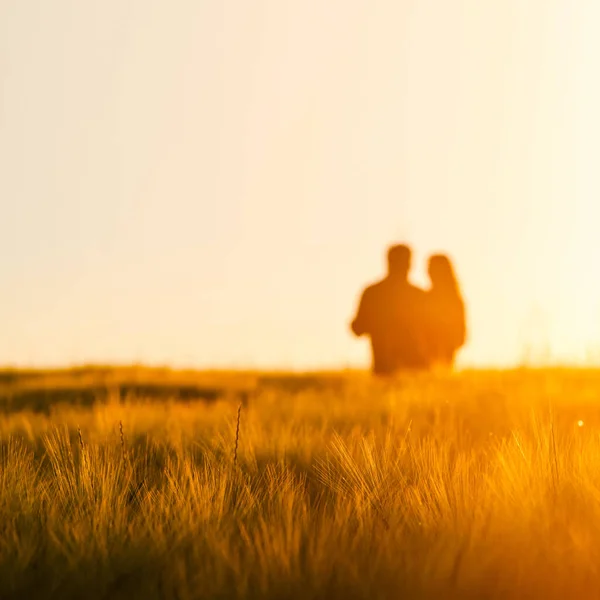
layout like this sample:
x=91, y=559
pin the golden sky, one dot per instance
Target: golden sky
x=213, y=183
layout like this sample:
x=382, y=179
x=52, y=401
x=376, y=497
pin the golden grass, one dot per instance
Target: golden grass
x=477, y=485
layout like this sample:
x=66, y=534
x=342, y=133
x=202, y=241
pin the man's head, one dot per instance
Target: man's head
x=399, y=261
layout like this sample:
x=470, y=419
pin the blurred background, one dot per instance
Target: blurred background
x=213, y=183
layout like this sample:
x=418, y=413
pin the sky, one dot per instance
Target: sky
x=212, y=184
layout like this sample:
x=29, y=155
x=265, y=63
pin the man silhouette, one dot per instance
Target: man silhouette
x=390, y=312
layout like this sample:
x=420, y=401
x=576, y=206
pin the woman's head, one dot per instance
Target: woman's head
x=441, y=272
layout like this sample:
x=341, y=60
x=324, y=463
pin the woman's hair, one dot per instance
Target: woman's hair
x=441, y=273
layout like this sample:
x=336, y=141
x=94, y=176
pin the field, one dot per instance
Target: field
x=466, y=485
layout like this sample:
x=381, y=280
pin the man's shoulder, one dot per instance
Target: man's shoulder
x=417, y=296
x=416, y=290
x=375, y=288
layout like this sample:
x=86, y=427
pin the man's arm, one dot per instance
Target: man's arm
x=361, y=324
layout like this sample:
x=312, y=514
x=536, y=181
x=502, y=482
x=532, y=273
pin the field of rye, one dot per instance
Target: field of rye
x=468, y=485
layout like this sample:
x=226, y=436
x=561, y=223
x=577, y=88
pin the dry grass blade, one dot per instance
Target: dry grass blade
x=237, y=434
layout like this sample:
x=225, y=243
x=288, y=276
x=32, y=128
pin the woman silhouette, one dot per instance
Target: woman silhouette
x=445, y=313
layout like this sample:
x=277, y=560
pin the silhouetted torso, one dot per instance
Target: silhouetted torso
x=446, y=325
x=391, y=313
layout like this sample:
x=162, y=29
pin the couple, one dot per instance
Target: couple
x=411, y=328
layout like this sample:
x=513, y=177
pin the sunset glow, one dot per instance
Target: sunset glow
x=212, y=184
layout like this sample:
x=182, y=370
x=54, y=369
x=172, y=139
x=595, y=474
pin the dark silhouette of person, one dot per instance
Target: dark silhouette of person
x=445, y=313
x=391, y=313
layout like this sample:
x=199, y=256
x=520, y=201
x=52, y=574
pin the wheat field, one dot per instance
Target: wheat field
x=466, y=485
